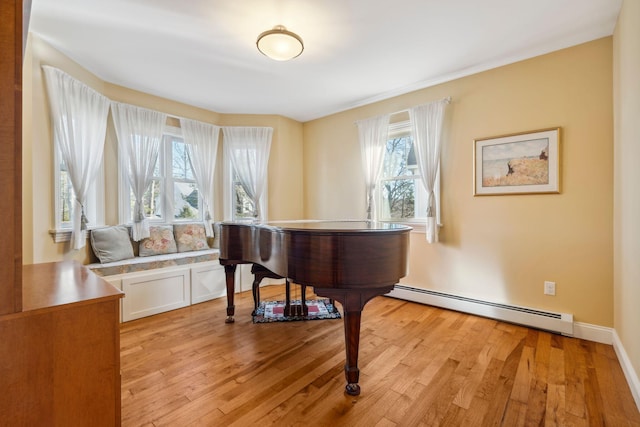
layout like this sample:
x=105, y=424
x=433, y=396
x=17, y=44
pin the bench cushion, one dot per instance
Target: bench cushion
x=153, y=262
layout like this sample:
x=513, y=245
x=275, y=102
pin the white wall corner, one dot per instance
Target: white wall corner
x=629, y=372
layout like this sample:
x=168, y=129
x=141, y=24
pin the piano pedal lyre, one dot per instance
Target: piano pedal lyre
x=295, y=309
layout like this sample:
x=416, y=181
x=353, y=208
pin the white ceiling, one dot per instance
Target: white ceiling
x=203, y=53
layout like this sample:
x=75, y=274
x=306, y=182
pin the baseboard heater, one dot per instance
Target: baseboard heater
x=561, y=323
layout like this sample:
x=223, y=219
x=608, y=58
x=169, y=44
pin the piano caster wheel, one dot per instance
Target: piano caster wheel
x=229, y=319
x=352, y=389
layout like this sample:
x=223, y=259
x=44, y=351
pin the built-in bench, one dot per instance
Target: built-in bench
x=153, y=281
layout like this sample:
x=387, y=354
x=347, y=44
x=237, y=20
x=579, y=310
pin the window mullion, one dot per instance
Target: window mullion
x=166, y=179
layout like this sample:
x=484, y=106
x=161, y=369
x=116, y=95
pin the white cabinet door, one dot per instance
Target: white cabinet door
x=152, y=293
x=207, y=282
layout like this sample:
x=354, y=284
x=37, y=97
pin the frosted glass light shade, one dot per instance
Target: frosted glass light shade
x=280, y=44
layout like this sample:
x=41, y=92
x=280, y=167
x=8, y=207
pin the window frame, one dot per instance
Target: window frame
x=398, y=129
x=167, y=184
x=229, y=193
x=94, y=206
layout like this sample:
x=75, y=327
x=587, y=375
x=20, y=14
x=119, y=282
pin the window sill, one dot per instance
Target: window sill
x=417, y=226
x=61, y=235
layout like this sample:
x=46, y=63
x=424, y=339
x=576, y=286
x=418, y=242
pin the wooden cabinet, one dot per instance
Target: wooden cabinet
x=60, y=355
x=11, y=154
x=59, y=329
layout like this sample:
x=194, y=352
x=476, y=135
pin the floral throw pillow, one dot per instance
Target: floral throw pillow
x=160, y=241
x=190, y=237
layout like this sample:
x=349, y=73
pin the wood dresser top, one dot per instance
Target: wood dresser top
x=53, y=285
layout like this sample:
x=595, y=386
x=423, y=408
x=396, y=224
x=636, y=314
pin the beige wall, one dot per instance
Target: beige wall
x=501, y=248
x=627, y=181
x=285, y=161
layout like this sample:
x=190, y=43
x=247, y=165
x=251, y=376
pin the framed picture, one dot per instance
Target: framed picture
x=521, y=163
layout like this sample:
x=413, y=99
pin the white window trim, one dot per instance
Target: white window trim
x=228, y=193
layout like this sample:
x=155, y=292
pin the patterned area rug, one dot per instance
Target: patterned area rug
x=273, y=311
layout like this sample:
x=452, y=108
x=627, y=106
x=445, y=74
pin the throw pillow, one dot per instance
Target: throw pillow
x=111, y=243
x=160, y=241
x=190, y=237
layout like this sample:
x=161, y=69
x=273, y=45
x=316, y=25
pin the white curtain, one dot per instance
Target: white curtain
x=248, y=149
x=201, y=140
x=79, y=120
x=426, y=124
x=373, y=134
x=139, y=134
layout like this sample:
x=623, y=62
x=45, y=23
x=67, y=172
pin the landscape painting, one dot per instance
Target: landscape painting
x=524, y=163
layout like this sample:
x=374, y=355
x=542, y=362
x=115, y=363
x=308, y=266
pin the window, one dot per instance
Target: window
x=173, y=195
x=401, y=195
x=246, y=158
x=186, y=198
x=78, y=121
x=243, y=206
x=65, y=197
x=239, y=206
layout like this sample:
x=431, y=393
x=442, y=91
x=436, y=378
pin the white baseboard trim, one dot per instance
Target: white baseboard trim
x=555, y=322
x=629, y=372
x=589, y=332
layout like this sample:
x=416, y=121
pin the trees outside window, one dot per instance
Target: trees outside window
x=243, y=205
x=401, y=195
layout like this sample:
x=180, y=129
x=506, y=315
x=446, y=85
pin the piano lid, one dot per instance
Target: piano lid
x=336, y=226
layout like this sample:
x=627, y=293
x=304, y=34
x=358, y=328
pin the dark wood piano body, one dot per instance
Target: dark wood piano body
x=348, y=261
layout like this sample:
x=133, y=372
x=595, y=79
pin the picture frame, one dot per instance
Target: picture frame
x=519, y=163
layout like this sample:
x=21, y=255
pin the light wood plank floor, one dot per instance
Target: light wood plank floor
x=419, y=366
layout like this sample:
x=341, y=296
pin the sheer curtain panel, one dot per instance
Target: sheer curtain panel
x=426, y=124
x=201, y=140
x=373, y=134
x=248, y=149
x=79, y=120
x=139, y=133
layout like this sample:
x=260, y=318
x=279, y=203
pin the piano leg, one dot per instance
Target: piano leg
x=353, y=301
x=303, y=300
x=255, y=288
x=287, y=298
x=352, y=321
x=229, y=272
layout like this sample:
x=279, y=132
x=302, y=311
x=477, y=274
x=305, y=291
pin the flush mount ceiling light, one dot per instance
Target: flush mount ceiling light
x=280, y=44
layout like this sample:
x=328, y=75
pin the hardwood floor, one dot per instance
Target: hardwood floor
x=419, y=366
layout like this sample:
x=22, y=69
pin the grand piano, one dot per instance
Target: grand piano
x=348, y=261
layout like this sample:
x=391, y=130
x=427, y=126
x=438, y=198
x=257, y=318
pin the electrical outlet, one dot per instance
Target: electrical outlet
x=549, y=288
